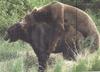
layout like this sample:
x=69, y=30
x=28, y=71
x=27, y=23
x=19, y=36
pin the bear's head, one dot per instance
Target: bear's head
x=14, y=33
x=20, y=29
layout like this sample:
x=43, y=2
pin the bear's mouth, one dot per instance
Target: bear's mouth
x=8, y=39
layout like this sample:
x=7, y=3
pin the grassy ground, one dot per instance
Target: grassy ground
x=19, y=57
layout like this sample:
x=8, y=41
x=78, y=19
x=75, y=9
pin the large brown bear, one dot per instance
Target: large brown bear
x=55, y=27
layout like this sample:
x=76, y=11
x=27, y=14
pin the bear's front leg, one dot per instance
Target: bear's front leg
x=42, y=56
x=42, y=59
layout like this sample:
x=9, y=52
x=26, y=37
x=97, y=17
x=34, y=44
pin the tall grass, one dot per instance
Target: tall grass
x=24, y=60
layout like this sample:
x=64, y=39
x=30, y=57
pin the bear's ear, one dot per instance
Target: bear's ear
x=34, y=10
x=31, y=11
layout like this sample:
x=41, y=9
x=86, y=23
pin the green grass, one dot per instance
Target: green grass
x=19, y=57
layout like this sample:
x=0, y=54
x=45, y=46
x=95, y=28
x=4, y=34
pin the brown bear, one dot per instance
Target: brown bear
x=55, y=27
